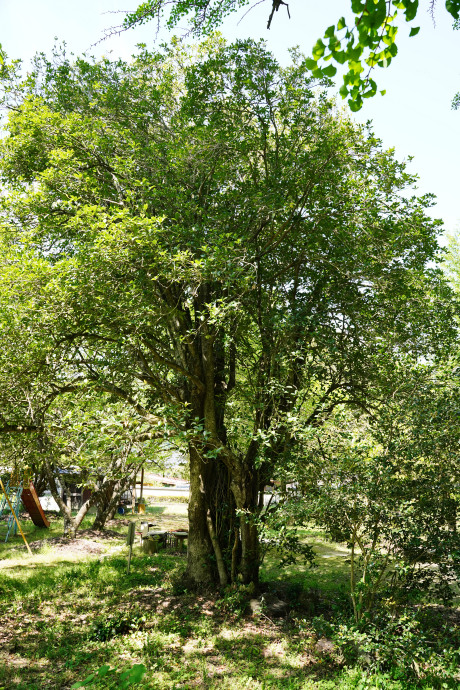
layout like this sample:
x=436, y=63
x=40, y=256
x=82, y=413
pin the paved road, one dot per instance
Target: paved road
x=163, y=491
x=48, y=502
x=173, y=491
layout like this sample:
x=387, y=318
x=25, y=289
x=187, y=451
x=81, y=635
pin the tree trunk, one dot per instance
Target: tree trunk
x=102, y=515
x=200, y=551
x=40, y=482
x=217, y=551
x=107, y=500
x=214, y=551
x=250, y=560
x=103, y=505
x=71, y=523
x=245, y=489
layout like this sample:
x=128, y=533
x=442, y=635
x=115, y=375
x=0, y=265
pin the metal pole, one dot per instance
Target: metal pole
x=16, y=519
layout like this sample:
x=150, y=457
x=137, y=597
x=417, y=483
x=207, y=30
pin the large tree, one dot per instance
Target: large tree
x=217, y=247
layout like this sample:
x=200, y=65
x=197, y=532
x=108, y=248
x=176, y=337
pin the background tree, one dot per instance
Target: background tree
x=51, y=422
x=97, y=444
x=388, y=486
x=223, y=252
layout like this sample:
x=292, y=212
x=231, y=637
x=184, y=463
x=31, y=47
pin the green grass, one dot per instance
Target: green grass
x=15, y=544
x=64, y=615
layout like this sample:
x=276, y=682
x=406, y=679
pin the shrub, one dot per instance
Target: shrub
x=122, y=623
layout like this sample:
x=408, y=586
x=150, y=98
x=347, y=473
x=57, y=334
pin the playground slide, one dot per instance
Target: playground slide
x=33, y=506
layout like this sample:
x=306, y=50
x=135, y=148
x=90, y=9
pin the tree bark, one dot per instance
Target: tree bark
x=71, y=523
x=217, y=551
x=245, y=490
x=200, y=551
x=103, y=506
x=107, y=499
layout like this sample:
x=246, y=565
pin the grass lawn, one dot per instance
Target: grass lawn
x=72, y=609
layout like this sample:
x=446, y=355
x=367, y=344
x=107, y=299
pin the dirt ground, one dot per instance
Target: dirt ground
x=87, y=541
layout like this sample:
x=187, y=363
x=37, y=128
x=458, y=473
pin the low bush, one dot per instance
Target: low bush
x=122, y=623
x=167, y=499
x=415, y=648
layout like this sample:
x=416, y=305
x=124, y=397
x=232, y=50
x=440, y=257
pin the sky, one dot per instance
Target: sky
x=414, y=116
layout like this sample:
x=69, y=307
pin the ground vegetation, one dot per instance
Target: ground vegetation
x=71, y=613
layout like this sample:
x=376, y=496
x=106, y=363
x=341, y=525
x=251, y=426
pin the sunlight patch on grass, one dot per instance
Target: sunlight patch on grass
x=65, y=616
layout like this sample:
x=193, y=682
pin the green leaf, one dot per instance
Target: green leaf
x=87, y=681
x=132, y=675
x=358, y=6
x=330, y=71
x=340, y=57
x=341, y=24
x=318, y=49
x=103, y=671
x=414, y=31
x=138, y=672
x=411, y=9
x=355, y=104
x=453, y=7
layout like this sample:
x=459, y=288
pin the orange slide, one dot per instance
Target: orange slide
x=33, y=506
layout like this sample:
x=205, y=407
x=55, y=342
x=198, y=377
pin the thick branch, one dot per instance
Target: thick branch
x=20, y=428
x=173, y=365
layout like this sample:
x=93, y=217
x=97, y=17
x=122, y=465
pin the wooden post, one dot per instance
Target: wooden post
x=133, y=499
x=142, y=483
x=130, y=542
x=16, y=519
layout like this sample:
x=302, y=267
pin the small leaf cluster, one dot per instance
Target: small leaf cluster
x=123, y=623
x=113, y=678
x=371, y=41
x=416, y=646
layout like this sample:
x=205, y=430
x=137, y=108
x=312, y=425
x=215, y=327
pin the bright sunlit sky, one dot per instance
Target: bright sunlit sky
x=414, y=116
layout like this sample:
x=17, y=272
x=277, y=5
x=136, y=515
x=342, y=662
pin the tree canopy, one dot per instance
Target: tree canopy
x=363, y=39
x=198, y=235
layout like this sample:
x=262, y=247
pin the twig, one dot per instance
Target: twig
x=275, y=7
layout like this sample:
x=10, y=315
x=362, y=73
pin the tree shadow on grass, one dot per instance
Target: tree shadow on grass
x=187, y=642
x=43, y=581
x=12, y=676
x=271, y=663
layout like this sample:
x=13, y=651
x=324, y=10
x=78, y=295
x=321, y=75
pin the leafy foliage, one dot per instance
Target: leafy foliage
x=402, y=648
x=106, y=674
x=198, y=236
x=122, y=623
x=390, y=493
x=369, y=40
